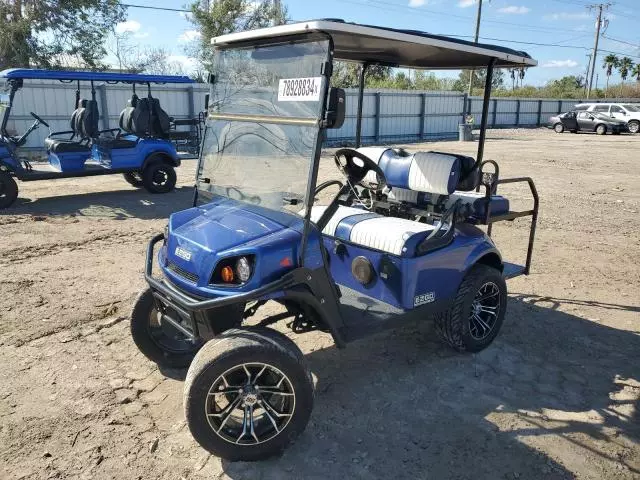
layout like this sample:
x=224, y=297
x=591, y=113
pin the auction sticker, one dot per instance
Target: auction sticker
x=299, y=89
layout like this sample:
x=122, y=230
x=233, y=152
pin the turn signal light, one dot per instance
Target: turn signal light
x=226, y=274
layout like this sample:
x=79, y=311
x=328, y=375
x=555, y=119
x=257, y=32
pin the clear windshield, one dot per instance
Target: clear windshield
x=632, y=108
x=263, y=124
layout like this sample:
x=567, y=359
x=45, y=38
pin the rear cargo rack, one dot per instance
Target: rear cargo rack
x=491, y=187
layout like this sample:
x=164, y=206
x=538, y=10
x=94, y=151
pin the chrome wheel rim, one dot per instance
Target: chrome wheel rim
x=250, y=403
x=160, y=177
x=634, y=127
x=485, y=310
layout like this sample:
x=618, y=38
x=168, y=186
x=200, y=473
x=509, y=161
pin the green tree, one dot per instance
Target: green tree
x=635, y=72
x=611, y=61
x=478, y=80
x=626, y=64
x=219, y=17
x=566, y=87
x=347, y=75
x=56, y=33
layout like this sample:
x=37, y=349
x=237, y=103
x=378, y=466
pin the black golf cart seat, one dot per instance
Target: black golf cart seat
x=144, y=117
x=78, y=140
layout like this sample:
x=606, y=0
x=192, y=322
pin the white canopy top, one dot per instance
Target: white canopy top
x=402, y=48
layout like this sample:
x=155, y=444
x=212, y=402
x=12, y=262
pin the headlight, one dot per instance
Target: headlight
x=243, y=269
x=166, y=233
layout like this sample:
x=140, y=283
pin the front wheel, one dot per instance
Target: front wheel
x=558, y=127
x=248, y=394
x=133, y=179
x=634, y=126
x=159, y=341
x=8, y=189
x=159, y=178
x=477, y=313
x=601, y=129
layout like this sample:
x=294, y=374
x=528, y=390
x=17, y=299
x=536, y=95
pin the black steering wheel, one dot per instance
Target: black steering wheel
x=355, y=166
x=39, y=119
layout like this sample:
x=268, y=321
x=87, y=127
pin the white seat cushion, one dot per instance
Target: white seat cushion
x=393, y=235
x=388, y=234
x=341, y=214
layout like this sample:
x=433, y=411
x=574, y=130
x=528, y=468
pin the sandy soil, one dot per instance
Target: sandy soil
x=556, y=396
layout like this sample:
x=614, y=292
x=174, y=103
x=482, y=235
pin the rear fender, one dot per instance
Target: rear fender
x=160, y=157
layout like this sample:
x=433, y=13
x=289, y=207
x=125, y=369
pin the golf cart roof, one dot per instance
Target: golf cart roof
x=389, y=46
x=70, y=75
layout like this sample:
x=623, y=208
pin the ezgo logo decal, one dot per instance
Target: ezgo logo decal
x=183, y=253
x=428, y=297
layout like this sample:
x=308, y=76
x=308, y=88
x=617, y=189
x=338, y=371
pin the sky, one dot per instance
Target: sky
x=567, y=27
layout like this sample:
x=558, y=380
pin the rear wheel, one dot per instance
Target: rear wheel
x=159, y=341
x=634, y=126
x=477, y=313
x=558, y=127
x=248, y=394
x=159, y=178
x=8, y=189
x=133, y=178
x=601, y=129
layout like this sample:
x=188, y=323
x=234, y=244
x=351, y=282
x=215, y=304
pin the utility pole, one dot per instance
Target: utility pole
x=586, y=74
x=478, y=15
x=594, y=59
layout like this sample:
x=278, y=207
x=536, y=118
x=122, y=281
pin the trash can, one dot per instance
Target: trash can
x=464, y=132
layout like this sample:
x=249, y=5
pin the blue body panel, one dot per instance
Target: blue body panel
x=69, y=162
x=229, y=228
x=132, y=157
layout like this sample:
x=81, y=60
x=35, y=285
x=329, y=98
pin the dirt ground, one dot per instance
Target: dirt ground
x=556, y=396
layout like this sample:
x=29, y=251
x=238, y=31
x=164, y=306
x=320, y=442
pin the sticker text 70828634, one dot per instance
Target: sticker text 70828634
x=299, y=89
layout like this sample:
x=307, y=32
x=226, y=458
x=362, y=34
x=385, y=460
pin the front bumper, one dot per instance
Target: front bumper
x=193, y=312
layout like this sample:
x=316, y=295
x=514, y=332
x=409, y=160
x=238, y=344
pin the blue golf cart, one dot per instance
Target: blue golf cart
x=140, y=148
x=401, y=240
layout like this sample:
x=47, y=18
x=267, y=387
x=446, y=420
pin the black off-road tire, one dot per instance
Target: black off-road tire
x=558, y=128
x=236, y=347
x=159, y=177
x=8, y=189
x=145, y=341
x=453, y=325
x=601, y=129
x=634, y=126
x=134, y=179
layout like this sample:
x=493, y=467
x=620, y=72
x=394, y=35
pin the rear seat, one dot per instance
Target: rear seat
x=473, y=203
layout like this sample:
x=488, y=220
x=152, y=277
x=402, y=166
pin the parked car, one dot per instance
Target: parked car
x=626, y=112
x=586, y=121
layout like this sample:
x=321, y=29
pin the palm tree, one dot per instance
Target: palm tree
x=610, y=62
x=635, y=72
x=626, y=65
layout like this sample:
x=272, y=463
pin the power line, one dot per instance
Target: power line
x=148, y=7
x=620, y=41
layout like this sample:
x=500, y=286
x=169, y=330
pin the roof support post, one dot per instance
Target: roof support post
x=485, y=111
x=363, y=71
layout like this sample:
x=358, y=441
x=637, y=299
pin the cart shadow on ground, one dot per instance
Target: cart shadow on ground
x=401, y=405
x=113, y=204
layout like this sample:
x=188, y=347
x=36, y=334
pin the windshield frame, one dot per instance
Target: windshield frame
x=326, y=72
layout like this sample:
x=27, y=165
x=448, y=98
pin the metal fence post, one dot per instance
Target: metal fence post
x=104, y=106
x=559, y=106
x=495, y=111
x=376, y=116
x=465, y=111
x=191, y=104
x=517, y=112
x=423, y=110
x=539, y=113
